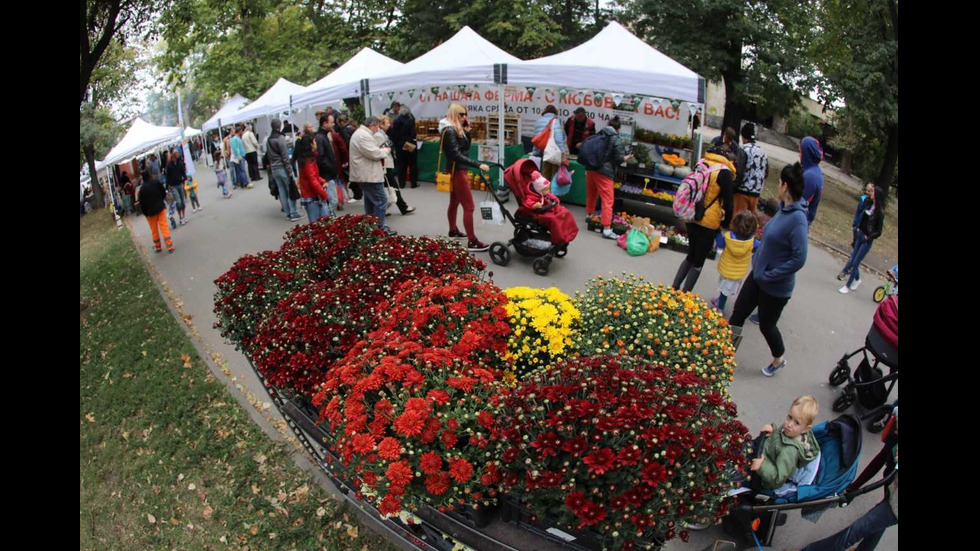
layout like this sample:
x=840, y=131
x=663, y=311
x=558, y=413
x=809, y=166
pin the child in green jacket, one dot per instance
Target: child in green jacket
x=791, y=448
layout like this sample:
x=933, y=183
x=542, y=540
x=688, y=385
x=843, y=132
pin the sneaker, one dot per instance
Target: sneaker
x=409, y=210
x=841, y=276
x=854, y=286
x=609, y=234
x=771, y=370
x=754, y=318
x=477, y=246
x=228, y=196
x=295, y=218
x=250, y=186
x=390, y=232
x=714, y=303
x=183, y=221
x=455, y=234
x=170, y=250
x=844, y=290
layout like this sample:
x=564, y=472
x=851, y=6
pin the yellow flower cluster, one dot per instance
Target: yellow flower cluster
x=544, y=323
x=632, y=317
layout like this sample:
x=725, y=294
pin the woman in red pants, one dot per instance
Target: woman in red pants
x=456, y=146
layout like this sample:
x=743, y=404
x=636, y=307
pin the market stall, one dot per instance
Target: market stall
x=345, y=81
x=223, y=115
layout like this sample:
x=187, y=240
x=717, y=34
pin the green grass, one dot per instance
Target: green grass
x=167, y=457
x=835, y=215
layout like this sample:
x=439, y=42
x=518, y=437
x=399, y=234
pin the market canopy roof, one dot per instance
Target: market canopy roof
x=274, y=100
x=345, y=81
x=190, y=132
x=141, y=137
x=466, y=58
x=230, y=106
x=614, y=60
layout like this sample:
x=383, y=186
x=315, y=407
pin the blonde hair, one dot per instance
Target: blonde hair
x=384, y=121
x=453, y=115
x=809, y=408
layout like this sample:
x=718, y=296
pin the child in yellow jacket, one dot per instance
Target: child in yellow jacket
x=190, y=186
x=736, y=259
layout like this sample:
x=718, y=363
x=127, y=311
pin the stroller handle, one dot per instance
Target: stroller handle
x=841, y=500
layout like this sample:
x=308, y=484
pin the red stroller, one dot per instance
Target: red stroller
x=532, y=238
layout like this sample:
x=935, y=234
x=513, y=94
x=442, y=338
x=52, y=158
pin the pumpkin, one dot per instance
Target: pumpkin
x=681, y=172
x=666, y=169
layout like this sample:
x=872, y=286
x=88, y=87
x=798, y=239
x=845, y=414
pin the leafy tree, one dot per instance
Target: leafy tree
x=757, y=47
x=100, y=23
x=856, y=53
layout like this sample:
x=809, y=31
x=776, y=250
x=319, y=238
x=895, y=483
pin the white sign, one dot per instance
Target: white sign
x=649, y=114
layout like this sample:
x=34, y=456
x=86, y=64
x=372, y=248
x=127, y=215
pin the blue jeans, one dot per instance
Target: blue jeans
x=180, y=199
x=867, y=529
x=240, y=174
x=315, y=209
x=282, y=182
x=375, y=202
x=853, y=267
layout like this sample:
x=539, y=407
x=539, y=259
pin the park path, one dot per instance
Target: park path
x=819, y=325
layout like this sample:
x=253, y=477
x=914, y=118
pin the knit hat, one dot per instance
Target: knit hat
x=748, y=131
x=539, y=182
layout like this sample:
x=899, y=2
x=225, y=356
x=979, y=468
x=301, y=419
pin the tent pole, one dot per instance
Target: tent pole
x=501, y=158
x=697, y=146
x=112, y=198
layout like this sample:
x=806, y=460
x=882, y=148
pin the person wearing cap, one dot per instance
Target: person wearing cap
x=752, y=174
x=578, y=127
x=559, y=221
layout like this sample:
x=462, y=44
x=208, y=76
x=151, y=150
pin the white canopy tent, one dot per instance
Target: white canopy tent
x=190, y=132
x=274, y=100
x=221, y=117
x=141, y=137
x=466, y=58
x=614, y=60
x=345, y=81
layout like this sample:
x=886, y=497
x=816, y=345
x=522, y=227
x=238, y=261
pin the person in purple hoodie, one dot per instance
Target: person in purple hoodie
x=775, y=262
x=810, y=156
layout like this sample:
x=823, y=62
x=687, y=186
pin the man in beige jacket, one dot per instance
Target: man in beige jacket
x=367, y=169
x=252, y=153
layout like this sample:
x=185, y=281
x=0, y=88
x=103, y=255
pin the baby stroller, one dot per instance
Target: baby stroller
x=531, y=239
x=869, y=385
x=758, y=514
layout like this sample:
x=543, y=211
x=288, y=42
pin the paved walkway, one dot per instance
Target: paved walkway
x=819, y=325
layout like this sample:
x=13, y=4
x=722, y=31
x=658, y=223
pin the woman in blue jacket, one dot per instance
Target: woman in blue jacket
x=781, y=254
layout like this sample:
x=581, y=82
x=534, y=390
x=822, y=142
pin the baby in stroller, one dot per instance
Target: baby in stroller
x=539, y=203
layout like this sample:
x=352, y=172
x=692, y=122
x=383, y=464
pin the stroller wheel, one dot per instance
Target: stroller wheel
x=840, y=373
x=877, y=424
x=844, y=401
x=879, y=294
x=541, y=266
x=562, y=252
x=500, y=254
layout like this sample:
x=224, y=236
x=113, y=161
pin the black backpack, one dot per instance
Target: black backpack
x=594, y=151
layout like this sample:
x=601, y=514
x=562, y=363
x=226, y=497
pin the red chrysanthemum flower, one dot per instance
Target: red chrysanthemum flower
x=575, y=501
x=654, y=474
x=419, y=406
x=363, y=443
x=485, y=419
x=400, y=473
x=390, y=505
x=437, y=484
x=410, y=423
x=460, y=469
x=629, y=456
x=601, y=461
x=430, y=463
x=449, y=439
x=440, y=397
x=389, y=449
x=452, y=424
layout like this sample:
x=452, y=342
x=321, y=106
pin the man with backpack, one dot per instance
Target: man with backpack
x=753, y=169
x=600, y=154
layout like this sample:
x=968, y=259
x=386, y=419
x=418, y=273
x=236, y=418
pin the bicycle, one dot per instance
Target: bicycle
x=888, y=289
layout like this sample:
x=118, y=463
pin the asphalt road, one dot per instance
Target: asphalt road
x=819, y=325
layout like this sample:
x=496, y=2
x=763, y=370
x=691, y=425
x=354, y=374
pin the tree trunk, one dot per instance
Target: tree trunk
x=96, y=188
x=891, y=158
x=733, y=108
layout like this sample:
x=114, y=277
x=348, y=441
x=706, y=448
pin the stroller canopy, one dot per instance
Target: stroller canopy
x=518, y=177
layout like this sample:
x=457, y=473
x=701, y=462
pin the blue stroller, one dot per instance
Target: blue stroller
x=756, y=518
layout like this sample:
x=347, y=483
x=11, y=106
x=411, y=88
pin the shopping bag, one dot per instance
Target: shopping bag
x=490, y=213
x=552, y=153
x=564, y=176
x=637, y=243
x=541, y=140
x=557, y=189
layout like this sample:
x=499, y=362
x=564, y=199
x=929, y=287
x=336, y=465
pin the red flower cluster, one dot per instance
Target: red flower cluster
x=328, y=245
x=401, y=404
x=306, y=333
x=253, y=285
x=632, y=448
